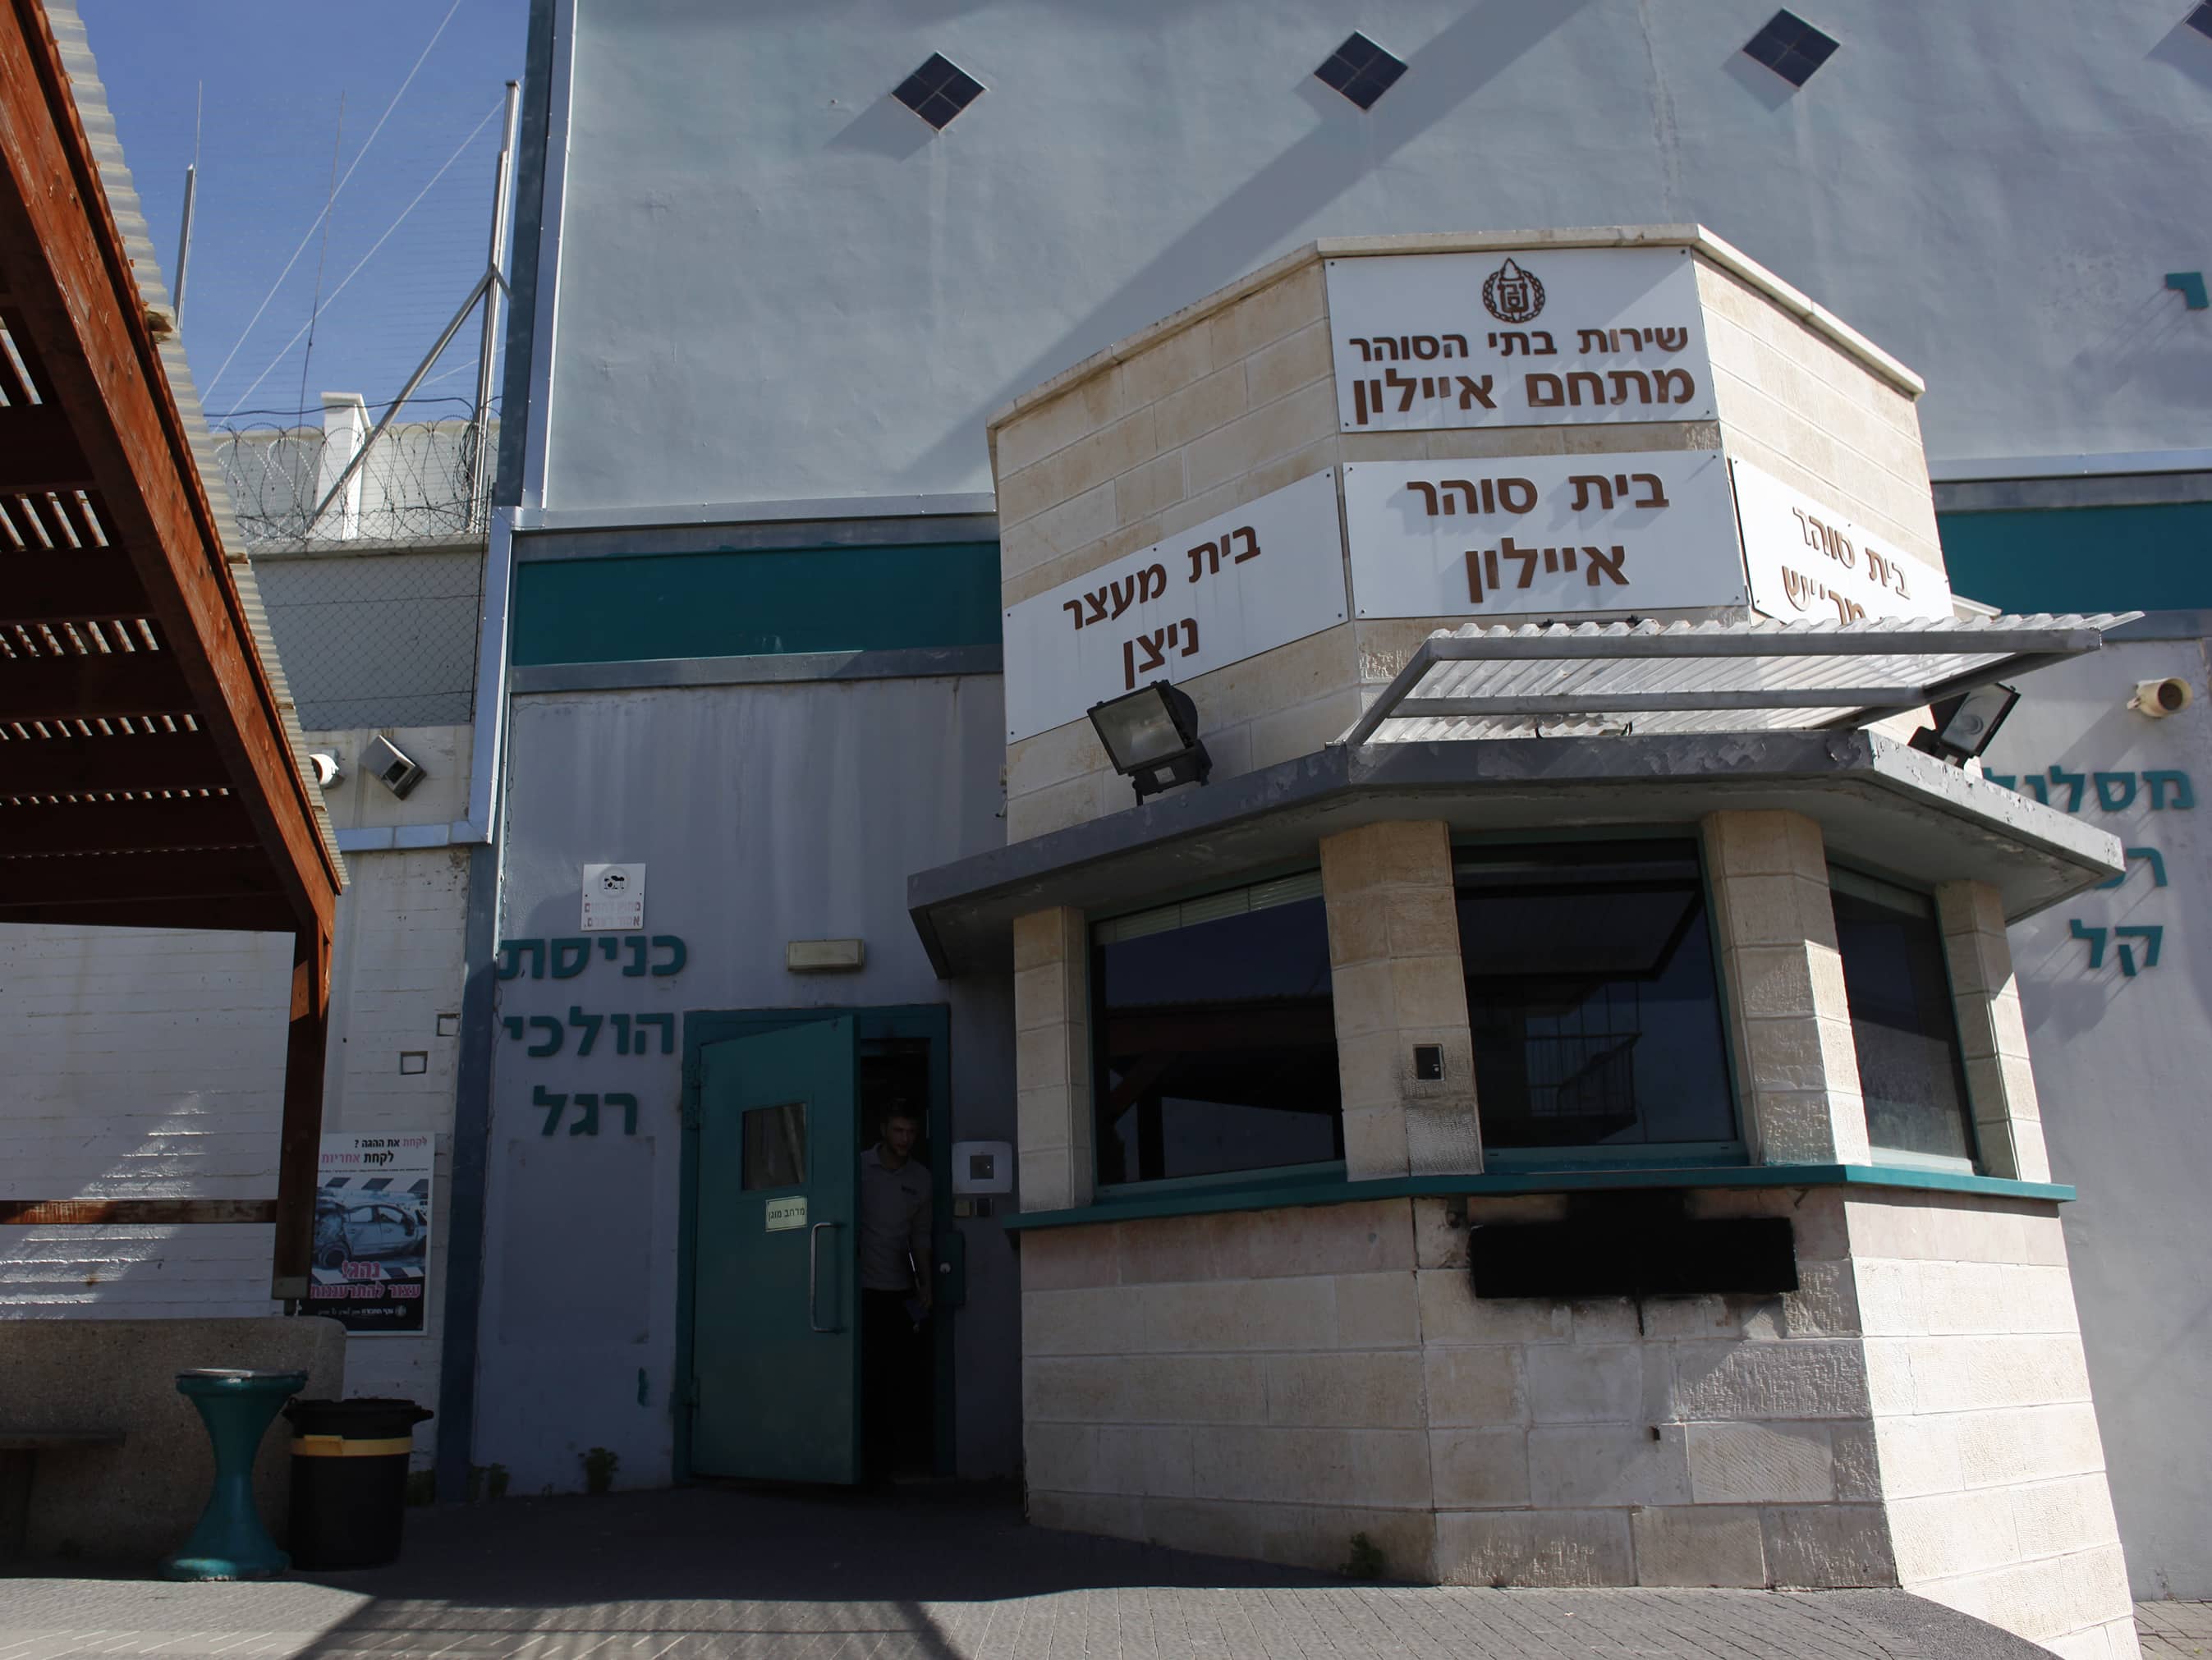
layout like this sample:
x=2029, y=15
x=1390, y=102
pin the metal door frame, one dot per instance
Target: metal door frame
x=701, y=1027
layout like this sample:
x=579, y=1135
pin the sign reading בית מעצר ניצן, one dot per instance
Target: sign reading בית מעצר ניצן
x=1244, y=581
x=1524, y=337
x=371, y=1249
x=1553, y=535
x=1808, y=563
x=614, y=897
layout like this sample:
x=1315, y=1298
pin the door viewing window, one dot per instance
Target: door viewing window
x=775, y=1147
x=1214, y=1033
x=1591, y=998
x=1902, y=1024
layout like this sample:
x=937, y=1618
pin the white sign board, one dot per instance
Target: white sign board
x=784, y=1214
x=1255, y=578
x=1533, y=336
x=1551, y=535
x=1809, y=563
x=614, y=897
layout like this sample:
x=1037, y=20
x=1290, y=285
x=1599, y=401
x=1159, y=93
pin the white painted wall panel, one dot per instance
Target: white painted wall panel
x=775, y=282
x=2121, y=1064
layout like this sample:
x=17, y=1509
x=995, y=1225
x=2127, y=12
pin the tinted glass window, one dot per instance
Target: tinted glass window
x=1215, y=1036
x=1591, y=996
x=1902, y=1021
x=775, y=1147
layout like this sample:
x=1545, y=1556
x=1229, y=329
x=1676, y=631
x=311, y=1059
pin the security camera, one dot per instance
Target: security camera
x=2160, y=699
x=392, y=767
x=328, y=770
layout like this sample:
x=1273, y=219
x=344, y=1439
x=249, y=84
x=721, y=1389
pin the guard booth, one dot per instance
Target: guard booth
x=1519, y=1059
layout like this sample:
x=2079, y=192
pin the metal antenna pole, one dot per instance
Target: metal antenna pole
x=185, y=243
x=480, y=478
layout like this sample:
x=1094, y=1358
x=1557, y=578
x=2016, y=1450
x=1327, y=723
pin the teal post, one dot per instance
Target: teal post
x=229, y=1542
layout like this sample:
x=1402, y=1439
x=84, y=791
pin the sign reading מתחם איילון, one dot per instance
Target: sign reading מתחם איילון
x=1519, y=337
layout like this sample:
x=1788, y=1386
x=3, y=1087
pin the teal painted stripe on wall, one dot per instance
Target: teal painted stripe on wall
x=756, y=603
x=2083, y=559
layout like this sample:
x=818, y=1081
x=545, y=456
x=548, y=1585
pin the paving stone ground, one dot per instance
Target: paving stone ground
x=2171, y=1628
x=925, y=1575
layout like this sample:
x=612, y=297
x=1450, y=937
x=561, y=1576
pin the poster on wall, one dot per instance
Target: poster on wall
x=1553, y=535
x=1810, y=564
x=1245, y=582
x=368, y=1269
x=1518, y=338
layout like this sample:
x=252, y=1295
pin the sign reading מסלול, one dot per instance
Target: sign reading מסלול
x=1529, y=336
x=1810, y=564
x=1553, y=535
x=1245, y=582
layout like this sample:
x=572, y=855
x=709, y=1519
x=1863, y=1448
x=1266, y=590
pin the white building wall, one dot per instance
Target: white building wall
x=774, y=282
x=2120, y=1067
x=139, y=1063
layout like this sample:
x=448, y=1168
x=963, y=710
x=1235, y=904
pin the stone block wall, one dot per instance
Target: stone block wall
x=1790, y=1023
x=1398, y=981
x=1794, y=402
x=1194, y=421
x=1249, y=1383
x=1052, y=1059
x=1992, y=1470
x=1688, y=1441
x=1992, y=1032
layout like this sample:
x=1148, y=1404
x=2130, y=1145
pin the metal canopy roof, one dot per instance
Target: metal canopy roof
x=1588, y=679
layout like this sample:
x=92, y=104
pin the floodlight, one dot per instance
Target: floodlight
x=1965, y=725
x=1151, y=736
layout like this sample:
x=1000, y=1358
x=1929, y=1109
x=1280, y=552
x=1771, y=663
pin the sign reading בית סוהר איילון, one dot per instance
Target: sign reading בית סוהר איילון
x=1519, y=337
x=1243, y=581
x=1552, y=535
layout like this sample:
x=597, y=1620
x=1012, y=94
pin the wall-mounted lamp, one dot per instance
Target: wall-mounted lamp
x=1151, y=736
x=328, y=770
x=1965, y=725
x=2160, y=699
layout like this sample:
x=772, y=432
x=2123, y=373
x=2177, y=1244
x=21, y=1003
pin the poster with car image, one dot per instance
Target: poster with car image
x=370, y=1267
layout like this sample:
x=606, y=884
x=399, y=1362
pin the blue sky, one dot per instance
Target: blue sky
x=267, y=79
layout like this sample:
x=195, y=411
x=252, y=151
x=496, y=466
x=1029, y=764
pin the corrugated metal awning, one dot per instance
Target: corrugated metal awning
x=1588, y=679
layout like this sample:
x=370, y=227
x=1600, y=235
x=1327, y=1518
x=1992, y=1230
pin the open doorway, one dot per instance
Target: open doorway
x=896, y=1243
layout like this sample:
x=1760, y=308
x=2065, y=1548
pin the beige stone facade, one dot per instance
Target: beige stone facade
x=1271, y=1378
x=1235, y=397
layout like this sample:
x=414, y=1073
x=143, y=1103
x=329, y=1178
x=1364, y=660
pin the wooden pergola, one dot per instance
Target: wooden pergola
x=151, y=774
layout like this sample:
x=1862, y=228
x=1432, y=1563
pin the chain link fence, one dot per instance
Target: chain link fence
x=375, y=604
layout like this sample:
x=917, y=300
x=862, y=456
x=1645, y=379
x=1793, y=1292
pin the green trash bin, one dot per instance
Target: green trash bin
x=349, y=1480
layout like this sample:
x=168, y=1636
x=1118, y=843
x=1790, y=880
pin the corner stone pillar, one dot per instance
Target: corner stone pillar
x=1052, y=1059
x=1399, y=984
x=1790, y=1023
x=1992, y=1033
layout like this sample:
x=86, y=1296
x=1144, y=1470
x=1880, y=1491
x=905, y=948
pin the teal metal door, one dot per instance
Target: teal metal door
x=775, y=1302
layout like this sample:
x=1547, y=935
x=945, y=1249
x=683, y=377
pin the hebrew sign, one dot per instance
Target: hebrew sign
x=1551, y=535
x=369, y=1266
x=1252, y=578
x=614, y=897
x=1534, y=336
x=1810, y=564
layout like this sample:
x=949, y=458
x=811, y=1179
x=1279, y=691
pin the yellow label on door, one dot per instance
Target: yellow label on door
x=787, y=1213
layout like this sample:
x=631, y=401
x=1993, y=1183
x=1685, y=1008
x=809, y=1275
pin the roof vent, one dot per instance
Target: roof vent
x=1792, y=47
x=2201, y=20
x=1361, y=70
x=939, y=91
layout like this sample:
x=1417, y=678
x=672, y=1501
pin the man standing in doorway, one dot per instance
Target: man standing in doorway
x=894, y=1271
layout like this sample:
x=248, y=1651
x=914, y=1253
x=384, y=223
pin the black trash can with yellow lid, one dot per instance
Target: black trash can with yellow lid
x=349, y=1480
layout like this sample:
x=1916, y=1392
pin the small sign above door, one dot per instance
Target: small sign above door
x=614, y=897
x=783, y=1213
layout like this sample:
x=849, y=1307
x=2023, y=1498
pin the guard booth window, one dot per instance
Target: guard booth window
x=1903, y=1024
x=1215, y=1036
x=1592, y=1000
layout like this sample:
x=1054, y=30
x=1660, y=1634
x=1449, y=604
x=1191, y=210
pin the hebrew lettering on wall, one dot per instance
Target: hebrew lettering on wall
x=1535, y=336
x=1548, y=534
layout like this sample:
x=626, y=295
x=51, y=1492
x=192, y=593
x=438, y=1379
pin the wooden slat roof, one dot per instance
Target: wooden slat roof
x=152, y=771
